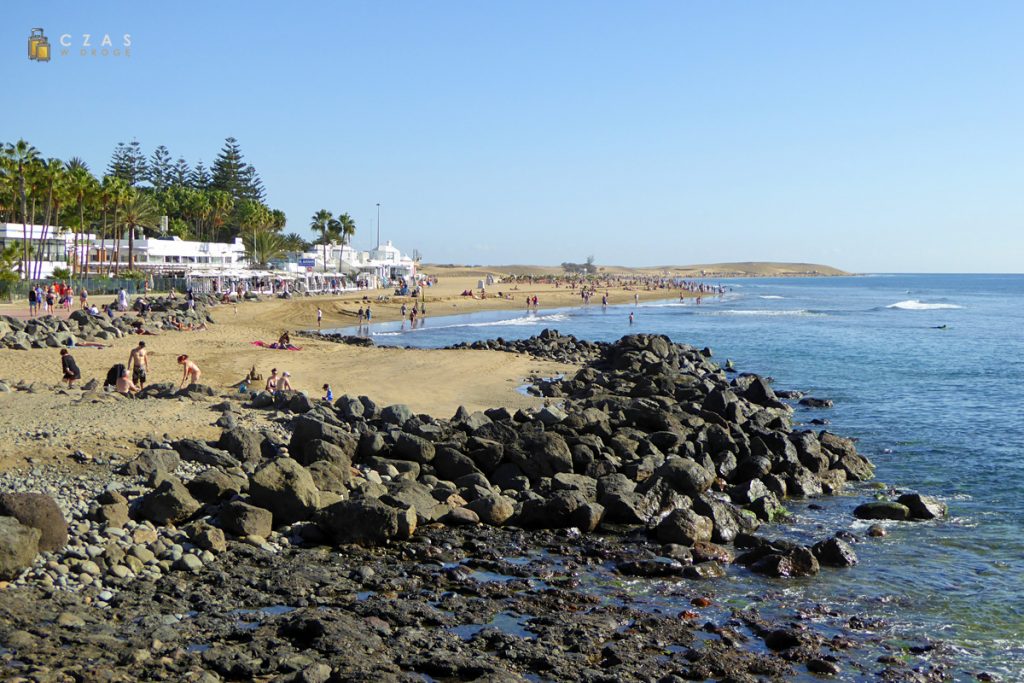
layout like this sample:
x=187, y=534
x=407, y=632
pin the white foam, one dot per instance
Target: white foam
x=771, y=296
x=914, y=305
x=787, y=312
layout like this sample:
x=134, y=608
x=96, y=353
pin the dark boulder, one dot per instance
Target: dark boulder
x=882, y=509
x=40, y=511
x=923, y=507
x=286, y=488
x=19, y=545
x=366, y=522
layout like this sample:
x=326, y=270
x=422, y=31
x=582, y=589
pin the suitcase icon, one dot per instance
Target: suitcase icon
x=38, y=46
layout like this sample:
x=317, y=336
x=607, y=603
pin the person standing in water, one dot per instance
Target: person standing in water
x=631, y=317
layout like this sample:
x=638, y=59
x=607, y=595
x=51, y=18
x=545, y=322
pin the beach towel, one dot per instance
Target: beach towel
x=276, y=346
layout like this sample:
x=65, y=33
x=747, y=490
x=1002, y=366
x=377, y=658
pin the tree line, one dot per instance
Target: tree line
x=218, y=203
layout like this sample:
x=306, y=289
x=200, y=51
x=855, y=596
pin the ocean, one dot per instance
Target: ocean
x=927, y=373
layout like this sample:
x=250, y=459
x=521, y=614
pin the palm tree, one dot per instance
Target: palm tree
x=118, y=197
x=21, y=155
x=263, y=246
x=321, y=223
x=221, y=205
x=51, y=178
x=75, y=163
x=348, y=228
x=140, y=211
x=83, y=186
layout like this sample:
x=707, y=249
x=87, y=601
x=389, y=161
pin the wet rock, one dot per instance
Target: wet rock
x=704, y=571
x=40, y=511
x=811, y=402
x=923, y=507
x=835, y=552
x=684, y=527
x=882, y=510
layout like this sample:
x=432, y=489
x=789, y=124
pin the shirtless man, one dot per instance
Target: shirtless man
x=190, y=372
x=138, y=363
x=285, y=384
x=125, y=385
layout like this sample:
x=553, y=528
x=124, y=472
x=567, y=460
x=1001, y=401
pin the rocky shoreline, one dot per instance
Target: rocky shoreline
x=363, y=542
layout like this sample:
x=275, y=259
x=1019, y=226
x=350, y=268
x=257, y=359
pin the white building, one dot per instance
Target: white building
x=50, y=246
x=379, y=266
x=171, y=256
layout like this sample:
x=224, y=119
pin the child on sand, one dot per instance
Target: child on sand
x=329, y=397
x=70, y=367
x=319, y=317
x=285, y=384
x=125, y=385
x=190, y=371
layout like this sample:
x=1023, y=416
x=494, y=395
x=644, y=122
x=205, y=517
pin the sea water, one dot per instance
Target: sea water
x=927, y=372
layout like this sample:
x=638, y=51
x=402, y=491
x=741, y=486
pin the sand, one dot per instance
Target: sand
x=51, y=423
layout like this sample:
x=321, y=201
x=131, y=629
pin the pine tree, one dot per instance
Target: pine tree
x=252, y=185
x=119, y=163
x=181, y=173
x=200, y=177
x=228, y=168
x=136, y=163
x=160, y=168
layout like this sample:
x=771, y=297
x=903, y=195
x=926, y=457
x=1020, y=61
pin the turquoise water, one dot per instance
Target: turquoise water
x=937, y=410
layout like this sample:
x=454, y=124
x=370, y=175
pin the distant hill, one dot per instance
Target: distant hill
x=743, y=269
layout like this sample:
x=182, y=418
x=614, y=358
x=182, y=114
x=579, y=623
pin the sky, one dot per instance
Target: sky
x=871, y=136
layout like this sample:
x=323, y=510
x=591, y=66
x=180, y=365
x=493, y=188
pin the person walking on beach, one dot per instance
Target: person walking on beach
x=69, y=367
x=636, y=299
x=319, y=317
x=138, y=363
x=33, y=301
x=83, y=298
x=190, y=372
x=368, y=313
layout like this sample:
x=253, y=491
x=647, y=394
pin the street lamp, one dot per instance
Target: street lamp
x=378, y=224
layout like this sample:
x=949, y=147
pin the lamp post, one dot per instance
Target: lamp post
x=378, y=224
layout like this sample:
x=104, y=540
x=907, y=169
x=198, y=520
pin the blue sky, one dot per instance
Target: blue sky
x=873, y=136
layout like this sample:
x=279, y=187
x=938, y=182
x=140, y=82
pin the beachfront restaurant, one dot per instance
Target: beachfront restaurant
x=170, y=256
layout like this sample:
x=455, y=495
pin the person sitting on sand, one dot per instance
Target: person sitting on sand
x=190, y=372
x=285, y=384
x=272, y=381
x=329, y=397
x=70, y=367
x=284, y=341
x=125, y=385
